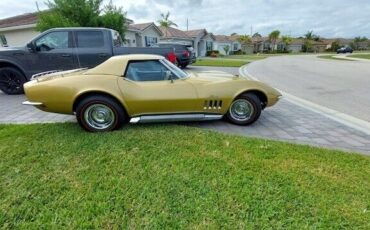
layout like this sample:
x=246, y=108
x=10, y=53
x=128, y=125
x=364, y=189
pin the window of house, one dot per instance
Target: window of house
x=236, y=46
x=150, y=41
x=54, y=40
x=209, y=45
x=90, y=39
x=3, y=40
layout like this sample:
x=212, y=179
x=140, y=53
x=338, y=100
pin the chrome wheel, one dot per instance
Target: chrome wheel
x=241, y=110
x=99, y=116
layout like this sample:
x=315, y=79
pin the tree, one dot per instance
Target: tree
x=273, y=37
x=244, y=40
x=309, y=35
x=81, y=13
x=165, y=21
x=335, y=45
x=286, y=40
x=226, y=49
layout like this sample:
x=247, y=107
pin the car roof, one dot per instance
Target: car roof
x=117, y=64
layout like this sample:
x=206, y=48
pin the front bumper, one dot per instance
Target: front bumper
x=33, y=103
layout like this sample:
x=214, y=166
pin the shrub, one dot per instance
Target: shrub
x=208, y=54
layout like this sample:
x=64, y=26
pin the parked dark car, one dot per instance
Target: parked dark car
x=65, y=49
x=344, y=50
x=185, y=54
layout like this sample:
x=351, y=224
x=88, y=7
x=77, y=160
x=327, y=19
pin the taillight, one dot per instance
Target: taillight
x=186, y=54
x=172, y=57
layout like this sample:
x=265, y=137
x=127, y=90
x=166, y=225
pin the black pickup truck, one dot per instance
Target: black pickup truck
x=64, y=49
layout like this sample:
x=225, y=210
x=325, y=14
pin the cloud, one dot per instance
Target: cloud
x=329, y=18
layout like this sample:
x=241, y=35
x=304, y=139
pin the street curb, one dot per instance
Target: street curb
x=345, y=119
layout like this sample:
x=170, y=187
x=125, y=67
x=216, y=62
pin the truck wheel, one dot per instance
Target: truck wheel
x=11, y=81
x=183, y=66
x=100, y=114
x=245, y=109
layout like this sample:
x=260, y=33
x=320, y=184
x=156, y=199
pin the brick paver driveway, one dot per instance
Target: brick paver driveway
x=285, y=121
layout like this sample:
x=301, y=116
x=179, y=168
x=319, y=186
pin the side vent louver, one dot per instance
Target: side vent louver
x=212, y=104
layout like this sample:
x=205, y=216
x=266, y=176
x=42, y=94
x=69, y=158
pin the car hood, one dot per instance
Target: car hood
x=214, y=76
x=11, y=50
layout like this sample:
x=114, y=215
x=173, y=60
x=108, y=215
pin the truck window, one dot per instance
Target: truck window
x=117, y=40
x=90, y=39
x=54, y=40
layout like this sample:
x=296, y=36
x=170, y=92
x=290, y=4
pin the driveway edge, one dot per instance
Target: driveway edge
x=345, y=119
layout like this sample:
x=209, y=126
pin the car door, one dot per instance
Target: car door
x=92, y=47
x=54, y=51
x=150, y=87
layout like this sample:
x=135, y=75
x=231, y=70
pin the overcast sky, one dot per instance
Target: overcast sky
x=327, y=18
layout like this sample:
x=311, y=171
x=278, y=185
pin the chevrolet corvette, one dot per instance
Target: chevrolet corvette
x=147, y=88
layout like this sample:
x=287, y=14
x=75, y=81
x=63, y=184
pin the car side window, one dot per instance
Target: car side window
x=151, y=70
x=53, y=40
x=90, y=39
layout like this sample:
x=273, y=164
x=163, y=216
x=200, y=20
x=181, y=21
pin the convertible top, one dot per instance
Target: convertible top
x=116, y=65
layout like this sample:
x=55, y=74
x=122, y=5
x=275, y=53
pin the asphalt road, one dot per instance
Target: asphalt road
x=339, y=85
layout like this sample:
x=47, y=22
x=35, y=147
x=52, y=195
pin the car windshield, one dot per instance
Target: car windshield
x=174, y=69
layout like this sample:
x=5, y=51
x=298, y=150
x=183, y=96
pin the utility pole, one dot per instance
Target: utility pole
x=251, y=31
x=187, y=24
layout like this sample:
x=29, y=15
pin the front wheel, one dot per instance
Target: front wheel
x=11, y=81
x=100, y=114
x=245, y=109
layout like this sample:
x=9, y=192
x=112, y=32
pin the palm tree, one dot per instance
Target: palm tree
x=273, y=37
x=309, y=35
x=287, y=40
x=245, y=40
x=166, y=22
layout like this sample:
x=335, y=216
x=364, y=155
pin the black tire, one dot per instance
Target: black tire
x=183, y=66
x=254, y=105
x=111, y=110
x=11, y=81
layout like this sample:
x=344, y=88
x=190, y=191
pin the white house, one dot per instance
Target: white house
x=142, y=35
x=18, y=30
x=223, y=41
x=202, y=41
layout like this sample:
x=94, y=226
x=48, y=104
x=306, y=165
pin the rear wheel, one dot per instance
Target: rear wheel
x=11, y=81
x=183, y=66
x=100, y=114
x=245, y=109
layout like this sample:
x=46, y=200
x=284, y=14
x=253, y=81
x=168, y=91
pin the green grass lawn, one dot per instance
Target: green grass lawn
x=332, y=57
x=221, y=62
x=364, y=56
x=169, y=176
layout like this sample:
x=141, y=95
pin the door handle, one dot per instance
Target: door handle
x=103, y=55
x=66, y=55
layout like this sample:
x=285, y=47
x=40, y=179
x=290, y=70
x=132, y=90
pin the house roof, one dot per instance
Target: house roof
x=20, y=20
x=170, y=32
x=195, y=33
x=140, y=26
x=222, y=38
x=143, y=26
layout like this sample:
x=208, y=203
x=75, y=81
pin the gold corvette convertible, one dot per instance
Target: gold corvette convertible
x=147, y=88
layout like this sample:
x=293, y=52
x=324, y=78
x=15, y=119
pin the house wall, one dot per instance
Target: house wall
x=130, y=39
x=203, y=45
x=295, y=48
x=220, y=47
x=150, y=32
x=19, y=37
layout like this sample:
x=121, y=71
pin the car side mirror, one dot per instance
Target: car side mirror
x=31, y=47
x=169, y=76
